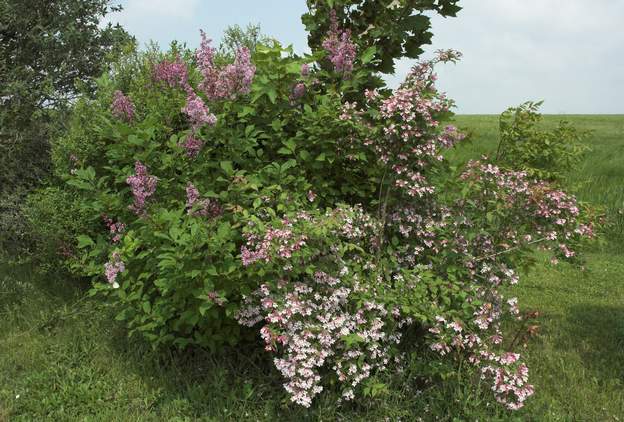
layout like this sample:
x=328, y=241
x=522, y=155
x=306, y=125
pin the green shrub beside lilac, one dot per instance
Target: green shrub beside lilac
x=545, y=154
x=275, y=194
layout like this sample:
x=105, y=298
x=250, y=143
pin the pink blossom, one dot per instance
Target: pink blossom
x=197, y=112
x=113, y=268
x=200, y=207
x=122, y=107
x=174, y=74
x=339, y=46
x=116, y=229
x=229, y=81
x=298, y=91
x=143, y=186
x=192, y=145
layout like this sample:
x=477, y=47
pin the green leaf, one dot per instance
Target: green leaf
x=80, y=184
x=290, y=144
x=288, y=165
x=369, y=54
x=352, y=339
x=272, y=94
x=227, y=167
x=84, y=241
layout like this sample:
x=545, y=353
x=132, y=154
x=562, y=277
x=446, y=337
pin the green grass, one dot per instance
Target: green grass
x=64, y=358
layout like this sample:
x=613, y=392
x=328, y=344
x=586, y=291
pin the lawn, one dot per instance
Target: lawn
x=63, y=357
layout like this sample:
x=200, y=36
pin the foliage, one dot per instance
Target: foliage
x=235, y=37
x=13, y=226
x=255, y=193
x=59, y=355
x=396, y=28
x=50, y=53
x=544, y=154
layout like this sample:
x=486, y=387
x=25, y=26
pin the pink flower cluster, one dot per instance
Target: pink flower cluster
x=312, y=324
x=192, y=145
x=508, y=375
x=298, y=91
x=280, y=240
x=229, y=81
x=197, y=112
x=173, y=73
x=338, y=44
x=407, y=135
x=143, y=186
x=115, y=229
x=200, y=207
x=112, y=268
x=122, y=107
x=325, y=321
x=464, y=232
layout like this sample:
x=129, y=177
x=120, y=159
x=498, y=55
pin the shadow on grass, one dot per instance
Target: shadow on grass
x=597, y=333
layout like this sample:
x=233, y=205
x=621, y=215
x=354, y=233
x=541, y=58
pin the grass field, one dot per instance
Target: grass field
x=63, y=358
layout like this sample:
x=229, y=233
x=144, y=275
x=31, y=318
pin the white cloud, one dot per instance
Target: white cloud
x=170, y=9
x=567, y=52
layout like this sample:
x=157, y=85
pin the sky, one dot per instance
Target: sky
x=569, y=53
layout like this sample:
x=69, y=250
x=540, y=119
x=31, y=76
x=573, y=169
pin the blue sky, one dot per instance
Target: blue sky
x=566, y=52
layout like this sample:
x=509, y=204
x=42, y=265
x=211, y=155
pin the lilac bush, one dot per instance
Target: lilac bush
x=279, y=199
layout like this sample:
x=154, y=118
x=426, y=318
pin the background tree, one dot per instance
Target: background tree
x=397, y=28
x=235, y=37
x=49, y=53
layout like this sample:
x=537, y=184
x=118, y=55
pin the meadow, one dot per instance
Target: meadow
x=64, y=357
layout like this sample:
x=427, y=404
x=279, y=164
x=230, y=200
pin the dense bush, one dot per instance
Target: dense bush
x=274, y=192
x=50, y=53
x=545, y=154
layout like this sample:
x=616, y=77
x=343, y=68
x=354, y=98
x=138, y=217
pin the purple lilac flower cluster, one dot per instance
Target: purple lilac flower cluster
x=116, y=229
x=175, y=75
x=112, y=268
x=143, y=186
x=224, y=82
x=192, y=145
x=172, y=73
x=201, y=207
x=339, y=46
x=122, y=107
x=197, y=112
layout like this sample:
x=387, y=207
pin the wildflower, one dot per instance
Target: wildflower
x=298, y=91
x=203, y=207
x=116, y=229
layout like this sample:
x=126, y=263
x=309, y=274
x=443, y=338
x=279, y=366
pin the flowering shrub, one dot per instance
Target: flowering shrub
x=278, y=196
